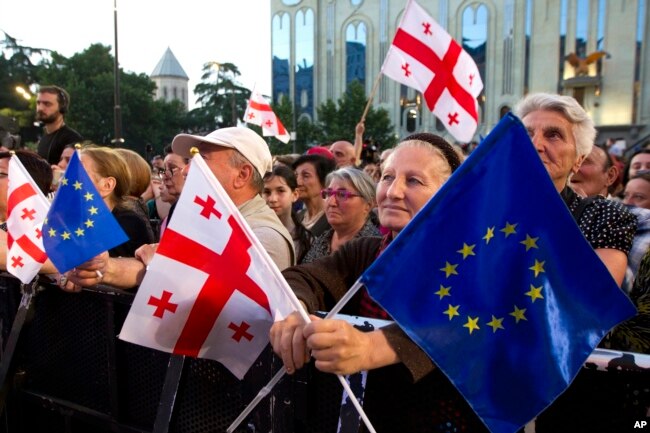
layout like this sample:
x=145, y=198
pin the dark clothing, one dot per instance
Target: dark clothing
x=321, y=245
x=604, y=223
x=136, y=227
x=412, y=396
x=320, y=227
x=51, y=145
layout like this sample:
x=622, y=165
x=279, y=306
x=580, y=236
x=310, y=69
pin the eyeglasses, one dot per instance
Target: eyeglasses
x=171, y=171
x=341, y=194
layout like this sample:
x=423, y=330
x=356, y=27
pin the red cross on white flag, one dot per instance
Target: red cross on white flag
x=211, y=290
x=259, y=113
x=27, y=208
x=425, y=57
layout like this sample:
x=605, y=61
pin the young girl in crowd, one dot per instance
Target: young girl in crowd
x=280, y=194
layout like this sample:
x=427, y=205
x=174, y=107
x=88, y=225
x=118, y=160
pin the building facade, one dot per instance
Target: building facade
x=594, y=50
x=170, y=78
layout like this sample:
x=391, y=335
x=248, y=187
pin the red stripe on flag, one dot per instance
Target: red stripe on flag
x=23, y=192
x=442, y=68
x=259, y=106
x=31, y=249
x=226, y=273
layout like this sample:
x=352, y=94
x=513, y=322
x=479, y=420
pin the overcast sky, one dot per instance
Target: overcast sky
x=197, y=31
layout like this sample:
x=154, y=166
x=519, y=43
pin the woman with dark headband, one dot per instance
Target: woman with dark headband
x=404, y=391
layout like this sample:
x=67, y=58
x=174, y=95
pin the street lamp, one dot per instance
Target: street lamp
x=24, y=93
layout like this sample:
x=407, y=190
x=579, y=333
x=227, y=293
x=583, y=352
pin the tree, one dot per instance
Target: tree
x=223, y=99
x=338, y=121
x=88, y=77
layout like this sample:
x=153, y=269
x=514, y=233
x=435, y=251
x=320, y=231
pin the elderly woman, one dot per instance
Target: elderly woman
x=311, y=171
x=349, y=199
x=110, y=175
x=404, y=391
x=563, y=135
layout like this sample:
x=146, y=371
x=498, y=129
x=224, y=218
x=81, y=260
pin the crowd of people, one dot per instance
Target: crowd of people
x=323, y=218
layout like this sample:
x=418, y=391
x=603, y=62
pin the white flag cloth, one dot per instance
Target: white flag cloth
x=259, y=113
x=425, y=57
x=211, y=290
x=27, y=208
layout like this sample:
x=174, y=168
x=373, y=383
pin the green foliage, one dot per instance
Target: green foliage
x=338, y=121
x=89, y=78
x=223, y=99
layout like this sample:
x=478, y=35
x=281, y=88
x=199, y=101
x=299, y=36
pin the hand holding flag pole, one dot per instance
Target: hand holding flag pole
x=280, y=374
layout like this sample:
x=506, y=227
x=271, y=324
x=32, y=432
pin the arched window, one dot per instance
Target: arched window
x=280, y=48
x=356, y=41
x=474, y=34
x=304, y=55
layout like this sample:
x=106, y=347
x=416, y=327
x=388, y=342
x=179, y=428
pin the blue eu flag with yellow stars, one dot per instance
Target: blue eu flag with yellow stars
x=495, y=282
x=79, y=225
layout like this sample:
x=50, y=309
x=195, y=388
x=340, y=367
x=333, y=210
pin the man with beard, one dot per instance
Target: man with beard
x=52, y=102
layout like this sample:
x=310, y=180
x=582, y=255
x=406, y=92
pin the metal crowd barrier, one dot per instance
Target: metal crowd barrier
x=70, y=373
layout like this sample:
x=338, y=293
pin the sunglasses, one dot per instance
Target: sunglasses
x=341, y=194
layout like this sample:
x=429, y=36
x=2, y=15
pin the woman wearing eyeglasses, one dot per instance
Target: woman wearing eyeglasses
x=349, y=199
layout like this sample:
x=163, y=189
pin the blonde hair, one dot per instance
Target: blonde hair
x=138, y=169
x=109, y=163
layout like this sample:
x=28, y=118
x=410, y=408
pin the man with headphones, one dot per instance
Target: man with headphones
x=52, y=103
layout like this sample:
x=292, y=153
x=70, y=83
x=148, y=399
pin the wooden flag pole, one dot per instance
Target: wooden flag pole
x=372, y=95
x=358, y=140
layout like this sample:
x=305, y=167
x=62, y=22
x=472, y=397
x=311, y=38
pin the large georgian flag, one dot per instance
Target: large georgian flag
x=425, y=57
x=26, y=211
x=211, y=290
x=259, y=113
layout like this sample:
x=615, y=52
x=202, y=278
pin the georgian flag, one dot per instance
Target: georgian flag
x=27, y=208
x=425, y=57
x=211, y=290
x=259, y=113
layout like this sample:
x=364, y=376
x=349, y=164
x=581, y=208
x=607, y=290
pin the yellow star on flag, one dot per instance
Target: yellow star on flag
x=93, y=210
x=489, y=235
x=529, y=242
x=65, y=236
x=472, y=324
x=452, y=311
x=535, y=293
x=51, y=232
x=89, y=223
x=518, y=314
x=538, y=267
x=449, y=269
x=444, y=291
x=509, y=229
x=467, y=250
x=77, y=185
x=79, y=231
x=63, y=181
x=496, y=324
x=88, y=196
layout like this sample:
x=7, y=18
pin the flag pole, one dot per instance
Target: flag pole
x=371, y=96
x=280, y=374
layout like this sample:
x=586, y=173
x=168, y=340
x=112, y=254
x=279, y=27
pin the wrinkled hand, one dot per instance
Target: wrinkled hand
x=89, y=273
x=337, y=346
x=145, y=253
x=289, y=343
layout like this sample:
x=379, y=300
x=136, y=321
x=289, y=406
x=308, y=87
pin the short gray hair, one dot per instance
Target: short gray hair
x=237, y=160
x=359, y=179
x=584, y=132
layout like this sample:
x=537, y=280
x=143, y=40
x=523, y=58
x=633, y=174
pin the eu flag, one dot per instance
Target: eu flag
x=79, y=225
x=495, y=282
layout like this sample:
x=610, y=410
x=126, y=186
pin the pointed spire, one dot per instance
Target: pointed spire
x=168, y=66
